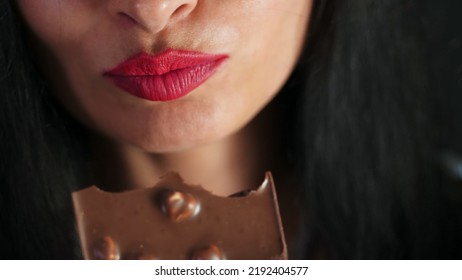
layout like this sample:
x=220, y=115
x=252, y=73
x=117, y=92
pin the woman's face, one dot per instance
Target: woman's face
x=197, y=70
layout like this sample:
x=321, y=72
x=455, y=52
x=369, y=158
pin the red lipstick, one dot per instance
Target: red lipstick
x=166, y=76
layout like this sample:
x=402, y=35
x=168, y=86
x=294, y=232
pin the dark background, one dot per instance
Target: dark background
x=443, y=21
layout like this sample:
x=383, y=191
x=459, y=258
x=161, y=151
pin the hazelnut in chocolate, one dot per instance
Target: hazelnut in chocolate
x=173, y=220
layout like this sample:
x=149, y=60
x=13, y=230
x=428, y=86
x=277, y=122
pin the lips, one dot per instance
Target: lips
x=167, y=76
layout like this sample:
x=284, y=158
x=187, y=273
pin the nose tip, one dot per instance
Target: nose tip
x=152, y=15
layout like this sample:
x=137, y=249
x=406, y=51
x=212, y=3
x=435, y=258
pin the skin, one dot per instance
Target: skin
x=216, y=128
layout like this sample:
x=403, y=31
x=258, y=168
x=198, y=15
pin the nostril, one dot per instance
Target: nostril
x=181, y=11
x=150, y=16
x=127, y=19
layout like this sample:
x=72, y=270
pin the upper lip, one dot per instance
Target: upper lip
x=144, y=64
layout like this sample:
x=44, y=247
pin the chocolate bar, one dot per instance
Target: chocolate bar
x=173, y=220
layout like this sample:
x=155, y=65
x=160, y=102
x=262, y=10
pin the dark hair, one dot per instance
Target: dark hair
x=370, y=135
x=366, y=146
x=38, y=164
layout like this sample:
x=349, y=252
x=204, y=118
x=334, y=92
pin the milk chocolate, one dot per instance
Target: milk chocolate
x=173, y=220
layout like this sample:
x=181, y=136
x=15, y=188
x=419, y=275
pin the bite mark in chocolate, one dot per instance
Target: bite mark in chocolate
x=173, y=220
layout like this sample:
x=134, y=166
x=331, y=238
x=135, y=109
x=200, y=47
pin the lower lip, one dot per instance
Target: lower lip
x=169, y=86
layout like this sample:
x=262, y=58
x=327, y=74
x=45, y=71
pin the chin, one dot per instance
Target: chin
x=162, y=145
x=163, y=138
x=175, y=127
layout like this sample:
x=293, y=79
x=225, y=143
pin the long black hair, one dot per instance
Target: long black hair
x=38, y=155
x=366, y=141
x=371, y=135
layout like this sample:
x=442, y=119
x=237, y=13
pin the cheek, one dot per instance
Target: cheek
x=59, y=23
x=39, y=14
x=272, y=34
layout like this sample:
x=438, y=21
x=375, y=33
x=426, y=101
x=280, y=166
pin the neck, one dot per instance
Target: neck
x=224, y=167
